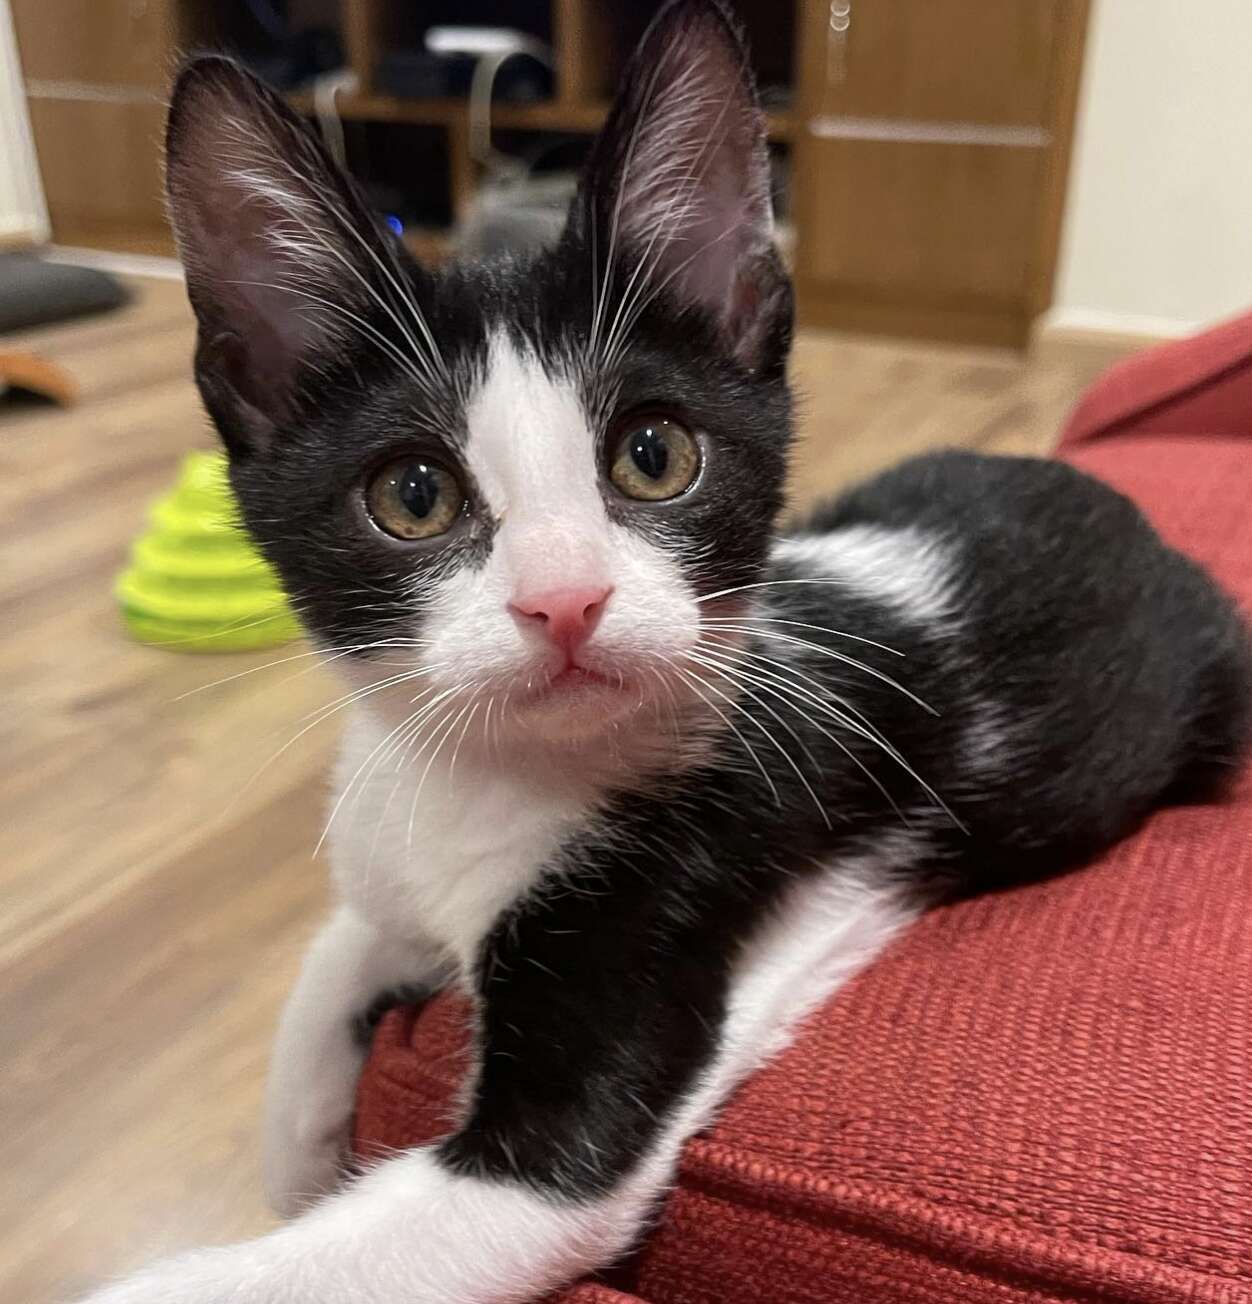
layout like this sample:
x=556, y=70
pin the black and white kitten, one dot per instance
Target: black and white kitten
x=645, y=777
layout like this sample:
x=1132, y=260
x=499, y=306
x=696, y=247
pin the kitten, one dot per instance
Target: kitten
x=644, y=776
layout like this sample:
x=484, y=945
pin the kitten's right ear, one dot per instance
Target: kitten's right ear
x=680, y=177
x=279, y=249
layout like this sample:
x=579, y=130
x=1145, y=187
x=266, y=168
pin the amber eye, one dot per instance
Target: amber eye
x=414, y=499
x=656, y=458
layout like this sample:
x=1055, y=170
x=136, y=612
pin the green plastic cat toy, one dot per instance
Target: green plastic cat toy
x=195, y=582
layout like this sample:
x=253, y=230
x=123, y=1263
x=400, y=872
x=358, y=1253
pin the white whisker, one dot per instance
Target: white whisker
x=860, y=727
x=731, y=676
x=834, y=656
x=377, y=751
x=694, y=681
x=421, y=783
x=328, y=654
x=767, y=584
x=801, y=624
x=783, y=688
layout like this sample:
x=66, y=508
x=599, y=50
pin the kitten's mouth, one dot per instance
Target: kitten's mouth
x=575, y=681
x=575, y=677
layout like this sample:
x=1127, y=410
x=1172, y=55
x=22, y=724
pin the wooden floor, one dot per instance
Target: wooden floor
x=156, y=870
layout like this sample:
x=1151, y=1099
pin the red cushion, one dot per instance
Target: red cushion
x=1041, y=1095
x=1198, y=386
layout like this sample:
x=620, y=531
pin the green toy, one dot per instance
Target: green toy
x=195, y=582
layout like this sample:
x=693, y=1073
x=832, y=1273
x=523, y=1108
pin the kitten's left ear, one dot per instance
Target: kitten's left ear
x=679, y=181
x=287, y=269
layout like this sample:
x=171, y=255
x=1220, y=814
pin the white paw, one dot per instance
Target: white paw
x=306, y=1150
x=227, y=1276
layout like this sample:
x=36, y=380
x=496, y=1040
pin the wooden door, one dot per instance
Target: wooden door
x=931, y=157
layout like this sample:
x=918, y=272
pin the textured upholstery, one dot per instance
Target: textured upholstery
x=1200, y=386
x=1040, y=1095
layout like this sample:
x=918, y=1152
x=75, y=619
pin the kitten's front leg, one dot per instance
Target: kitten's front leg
x=437, y=1225
x=601, y=1051
x=552, y=1175
x=321, y=1046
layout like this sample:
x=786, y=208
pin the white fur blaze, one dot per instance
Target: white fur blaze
x=533, y=455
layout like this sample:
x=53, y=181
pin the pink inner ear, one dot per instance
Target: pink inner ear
x=265, y=237
x=254, y=290
x=694, y=197
x=716, y=243
x=276, y=249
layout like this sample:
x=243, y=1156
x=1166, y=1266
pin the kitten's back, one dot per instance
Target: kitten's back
x=1120, y=674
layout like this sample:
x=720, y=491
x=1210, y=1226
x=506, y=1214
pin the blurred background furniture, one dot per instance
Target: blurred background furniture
x=23, y=217
x=922, y=146
x=1038, y=1096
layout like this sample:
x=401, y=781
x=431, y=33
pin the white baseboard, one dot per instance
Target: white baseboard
x=1124, y=325
x=1091, y=336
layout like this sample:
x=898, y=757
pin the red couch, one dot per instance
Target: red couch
x=1040, y=1095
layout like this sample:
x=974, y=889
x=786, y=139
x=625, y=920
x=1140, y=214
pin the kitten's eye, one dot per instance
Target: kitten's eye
x=656, y=458
x=413, y=499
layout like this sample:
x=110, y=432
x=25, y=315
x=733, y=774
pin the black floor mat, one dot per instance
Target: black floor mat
x=34, y=292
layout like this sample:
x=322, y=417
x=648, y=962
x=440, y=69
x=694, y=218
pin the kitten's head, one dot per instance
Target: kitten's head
x=525, y=482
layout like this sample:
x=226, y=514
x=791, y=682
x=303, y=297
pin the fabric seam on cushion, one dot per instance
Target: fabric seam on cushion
x=755, y=1182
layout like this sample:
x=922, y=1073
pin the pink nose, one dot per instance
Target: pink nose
x=567, y=616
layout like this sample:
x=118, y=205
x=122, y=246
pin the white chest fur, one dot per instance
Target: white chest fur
x=438, y=853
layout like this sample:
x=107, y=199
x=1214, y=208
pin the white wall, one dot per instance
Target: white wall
x=1158, y=226
x=22, y=211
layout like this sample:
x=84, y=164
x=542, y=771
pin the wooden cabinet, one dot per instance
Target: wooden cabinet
x=931, y=157
x=985, y=61
x=925, y=141
x=908, y=221
x=101, y=168
x=93, y=42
